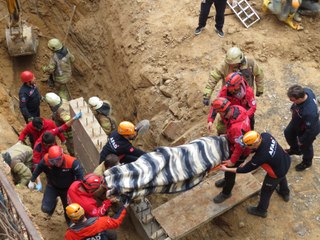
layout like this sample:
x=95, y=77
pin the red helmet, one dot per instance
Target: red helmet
x=55, y=155
x=92, y=182
x=27, y=76
x=220, y=104
x=234, y=81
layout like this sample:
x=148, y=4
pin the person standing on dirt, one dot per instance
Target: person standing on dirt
x=237, y=122
x=36, y=128
x=83, y=192
x=29, y=97
x=92, y=228
x=59, y=68
x=102, y=111
x=274, y=160
x=204, y=13
x=47, y=139
x=61, y=115
x=19, y=159
x=61, y=171
x=120, y=145
x=235, y=61
x=304, y=125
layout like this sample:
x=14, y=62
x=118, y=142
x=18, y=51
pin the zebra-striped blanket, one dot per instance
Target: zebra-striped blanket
x=168, y=169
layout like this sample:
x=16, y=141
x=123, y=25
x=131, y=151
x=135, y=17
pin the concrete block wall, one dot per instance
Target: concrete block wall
x=88, y=136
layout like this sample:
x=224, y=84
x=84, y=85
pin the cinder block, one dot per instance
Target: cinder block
x=89, y=138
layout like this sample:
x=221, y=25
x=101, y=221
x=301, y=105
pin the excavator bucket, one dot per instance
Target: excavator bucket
x=21, y=40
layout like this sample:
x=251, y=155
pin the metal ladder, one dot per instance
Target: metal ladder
x=244, y=12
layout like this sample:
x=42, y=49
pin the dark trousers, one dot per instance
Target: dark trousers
x=35, y=113
x=291, y=134
x=220, y=6
x=230, y=178
x=49, y=201
x=268, y=187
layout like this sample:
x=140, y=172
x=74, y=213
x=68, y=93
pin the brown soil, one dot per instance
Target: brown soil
x=143, y=57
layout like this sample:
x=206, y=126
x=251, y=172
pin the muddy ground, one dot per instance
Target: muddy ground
x=143, y=57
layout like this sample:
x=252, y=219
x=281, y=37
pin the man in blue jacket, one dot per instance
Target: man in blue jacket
x=304, y=125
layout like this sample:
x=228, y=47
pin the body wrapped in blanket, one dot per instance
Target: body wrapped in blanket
x=168, y=169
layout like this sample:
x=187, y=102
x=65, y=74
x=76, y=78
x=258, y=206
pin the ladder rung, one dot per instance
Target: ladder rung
x=247, y=18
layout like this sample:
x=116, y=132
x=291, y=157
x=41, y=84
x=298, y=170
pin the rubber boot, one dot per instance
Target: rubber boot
x=265, y=6
x=293, y=25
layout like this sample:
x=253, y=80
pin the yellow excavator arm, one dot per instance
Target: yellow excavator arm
x=14, y=11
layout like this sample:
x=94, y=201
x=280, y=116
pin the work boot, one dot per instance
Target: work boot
x=221, y=197
x=265, y=6
x=302, y=166
x=255, y=211
x=291, y=151
x=285, y=197
x=220, y=183
x=295, y=26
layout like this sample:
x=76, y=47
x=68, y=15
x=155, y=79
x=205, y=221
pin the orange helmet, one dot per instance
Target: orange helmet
x=55, y=155
x=26, y=76
x=91, y=182
x=126, y=128
x=234, y=81
x=251, y=138
x=74, y=212
x=220, y=104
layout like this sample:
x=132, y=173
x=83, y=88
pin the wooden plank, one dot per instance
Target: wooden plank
x=193, y=208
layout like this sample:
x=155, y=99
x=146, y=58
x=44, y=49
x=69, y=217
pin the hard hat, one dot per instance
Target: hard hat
x=27, y=76
x=234, y=81
x=220, y=104
x=54, y=44
x=74, y=211
x=91, y=182
x=126, y=128
x=95, y=102
x=250, y=138
x=55, y=155
x=52, y=99
x=234, y=56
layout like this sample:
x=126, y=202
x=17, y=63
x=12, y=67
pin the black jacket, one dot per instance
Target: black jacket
x=29, y=101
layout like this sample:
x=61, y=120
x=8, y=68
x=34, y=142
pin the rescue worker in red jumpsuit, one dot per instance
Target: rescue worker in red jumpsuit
x=274, y=160
x=237, y=122
x=83, y=191
x=238, y=92
x=36, y=128
x=92, y=228
x=47, y=139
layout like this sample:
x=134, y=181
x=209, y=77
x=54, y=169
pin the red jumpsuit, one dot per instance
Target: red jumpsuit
x=40, y=149
x=86, y=201
x=35, y=134
x=94, y=227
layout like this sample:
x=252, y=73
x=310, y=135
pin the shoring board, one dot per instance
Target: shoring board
x=188, y=211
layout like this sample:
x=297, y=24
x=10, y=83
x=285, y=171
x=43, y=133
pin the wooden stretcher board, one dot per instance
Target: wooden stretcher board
x=193, y=208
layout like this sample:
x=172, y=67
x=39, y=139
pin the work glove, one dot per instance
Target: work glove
x=206, y=101
x=39, y=186
x=31, y=185
x=258, y=94
x=77, y=116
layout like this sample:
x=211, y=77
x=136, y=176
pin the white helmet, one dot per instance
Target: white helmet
x=234, y=56
x=52, y=99
x=54, y=44
x=95, y=102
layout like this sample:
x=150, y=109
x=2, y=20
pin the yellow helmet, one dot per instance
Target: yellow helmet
x=126, y=128
x=250, y=138
x=74, y=211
